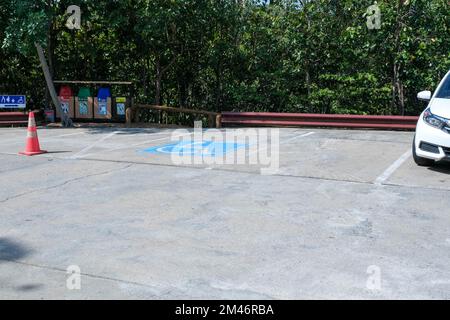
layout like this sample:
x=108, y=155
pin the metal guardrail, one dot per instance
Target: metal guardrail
x=318, y=120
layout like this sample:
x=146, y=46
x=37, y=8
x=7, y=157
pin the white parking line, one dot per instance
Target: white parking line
x=391, y=170
x=304, y=135
x=299, y=136
x=136, y=144
x=80, y=153
x=66, y=135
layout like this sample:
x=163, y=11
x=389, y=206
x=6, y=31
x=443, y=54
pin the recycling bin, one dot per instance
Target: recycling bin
x=84, y=104
x=103, y=104
x=120, y=105
x=49, y=115
x=67, y=102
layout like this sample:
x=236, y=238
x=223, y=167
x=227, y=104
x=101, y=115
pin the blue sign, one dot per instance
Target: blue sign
x=13, y=102
x=197, y=148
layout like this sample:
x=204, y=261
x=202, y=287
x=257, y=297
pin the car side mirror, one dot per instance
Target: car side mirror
x=424, y=96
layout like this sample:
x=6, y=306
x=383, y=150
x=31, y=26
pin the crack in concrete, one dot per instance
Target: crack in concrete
x=367, y=183
x=386, y=184
x=93, y=276
x=65, y=183
x=156, y=292
x=33, y=165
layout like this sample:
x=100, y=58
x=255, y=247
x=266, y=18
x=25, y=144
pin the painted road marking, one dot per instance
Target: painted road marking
x=197, y=148
x=80, y=153
x=391, y=170
x=137, y=144
x=299, y=136
x=304, y=135
x=208, y=148
x=66, y=135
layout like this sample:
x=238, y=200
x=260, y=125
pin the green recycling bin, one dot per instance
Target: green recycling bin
x=84, y=104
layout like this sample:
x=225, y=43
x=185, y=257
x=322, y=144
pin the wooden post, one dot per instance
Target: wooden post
x=129, y=116
x=211, y=120
x=136, y=116
x=65, y=119
x=219, y=121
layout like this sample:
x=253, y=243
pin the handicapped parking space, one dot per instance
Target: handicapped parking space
x=180, y=148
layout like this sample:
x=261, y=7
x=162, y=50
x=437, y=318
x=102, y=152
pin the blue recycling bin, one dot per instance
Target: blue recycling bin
x=102, y=104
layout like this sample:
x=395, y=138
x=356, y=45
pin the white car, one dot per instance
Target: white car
x=432, y=140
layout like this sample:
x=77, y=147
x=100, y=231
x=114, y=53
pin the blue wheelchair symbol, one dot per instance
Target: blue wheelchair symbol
x=196, y=148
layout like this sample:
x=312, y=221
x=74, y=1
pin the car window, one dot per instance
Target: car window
x=444, y=92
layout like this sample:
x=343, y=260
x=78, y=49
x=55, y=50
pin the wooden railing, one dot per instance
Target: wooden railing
x=133, y=114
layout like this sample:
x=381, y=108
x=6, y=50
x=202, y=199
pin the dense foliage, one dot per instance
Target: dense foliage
x=284, y=56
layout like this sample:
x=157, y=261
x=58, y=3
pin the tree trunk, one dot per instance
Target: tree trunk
x=401, y=97
x=308, y=87
x=218, y=90
x=182, y=92
x=50, y=53
x=398, y=92
x=158, y=80
x=160, y=71
x=144, y=79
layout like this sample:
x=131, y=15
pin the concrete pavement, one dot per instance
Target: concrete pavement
x=141, y=227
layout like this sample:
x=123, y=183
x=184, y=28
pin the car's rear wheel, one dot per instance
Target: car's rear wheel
x=423, y=162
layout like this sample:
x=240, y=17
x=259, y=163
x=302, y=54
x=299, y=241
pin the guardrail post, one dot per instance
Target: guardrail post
x=211, y=121
x=137, y=114
x=128, y=116
x=219, y=121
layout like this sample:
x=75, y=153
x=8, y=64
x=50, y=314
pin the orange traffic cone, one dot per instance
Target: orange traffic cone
x=32, y=147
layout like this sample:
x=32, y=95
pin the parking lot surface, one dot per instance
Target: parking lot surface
x=347, y=215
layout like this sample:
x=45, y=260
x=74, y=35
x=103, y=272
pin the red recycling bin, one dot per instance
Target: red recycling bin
x=67, y=102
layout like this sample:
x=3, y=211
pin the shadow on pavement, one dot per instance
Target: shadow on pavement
x=56, y=152
x=30, y=287
x=11, y=250
x=441, y=168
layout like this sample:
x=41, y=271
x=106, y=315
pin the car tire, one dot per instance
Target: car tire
x=423, y=162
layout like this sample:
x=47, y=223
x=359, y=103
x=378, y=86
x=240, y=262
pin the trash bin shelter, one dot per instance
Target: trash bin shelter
x=67, y=102
x=84, y=104
x=103, y=104
x=120, y=106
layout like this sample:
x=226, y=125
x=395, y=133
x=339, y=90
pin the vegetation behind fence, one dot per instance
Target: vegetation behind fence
x=221, y=55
